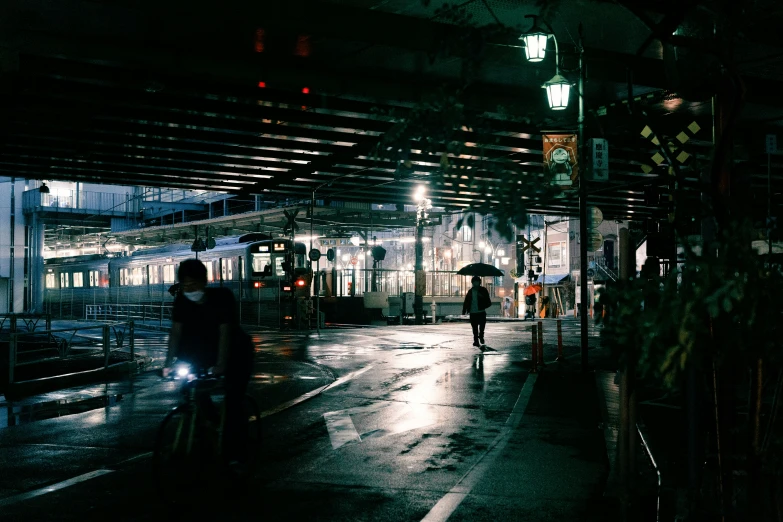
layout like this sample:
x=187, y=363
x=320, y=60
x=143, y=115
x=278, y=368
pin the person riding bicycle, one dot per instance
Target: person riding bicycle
x=205, y=334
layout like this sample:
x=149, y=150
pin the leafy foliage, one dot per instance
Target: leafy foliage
x=722, y=304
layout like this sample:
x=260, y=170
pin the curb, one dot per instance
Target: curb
x=21, y=389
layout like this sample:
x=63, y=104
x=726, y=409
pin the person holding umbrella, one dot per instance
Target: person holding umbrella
x=476, y=302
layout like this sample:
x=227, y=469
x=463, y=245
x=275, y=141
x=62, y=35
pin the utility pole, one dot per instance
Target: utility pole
x=582, y=206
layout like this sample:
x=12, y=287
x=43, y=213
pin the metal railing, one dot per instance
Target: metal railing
x=30, y=321
x=396, y=282
x=140, y=313
x=59, y=347
x=89, y=201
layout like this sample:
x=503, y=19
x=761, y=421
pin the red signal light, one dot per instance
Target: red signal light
x=261, y=85
x=300, y=282
x=257, y=284
x=305, y=90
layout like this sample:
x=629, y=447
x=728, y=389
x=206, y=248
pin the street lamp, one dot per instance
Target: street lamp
x=557, y=91
x=423, y=205
x=558, y=88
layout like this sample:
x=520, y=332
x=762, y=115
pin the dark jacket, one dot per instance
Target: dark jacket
x=484, y=301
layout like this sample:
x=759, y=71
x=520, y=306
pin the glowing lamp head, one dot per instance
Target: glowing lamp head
x=419, y=194
x=535, y=45
x=557, y=92
x=300, y=282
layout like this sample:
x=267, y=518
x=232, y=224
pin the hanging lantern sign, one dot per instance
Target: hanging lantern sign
x=594, y=240
x=594, y=217
x=560, y=160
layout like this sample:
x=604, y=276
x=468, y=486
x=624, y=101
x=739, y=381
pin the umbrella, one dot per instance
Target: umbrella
x=532, y=289
x=481, y=270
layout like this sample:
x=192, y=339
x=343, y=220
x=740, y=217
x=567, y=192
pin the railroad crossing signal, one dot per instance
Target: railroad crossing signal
x=529, y=244
x=290, y=226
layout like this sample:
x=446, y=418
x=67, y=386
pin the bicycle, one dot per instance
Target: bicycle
x=189, y=448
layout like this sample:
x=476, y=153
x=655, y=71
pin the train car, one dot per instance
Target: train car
x=265, y=274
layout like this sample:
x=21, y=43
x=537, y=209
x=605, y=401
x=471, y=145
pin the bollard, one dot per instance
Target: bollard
x=106, y=345
x=11, y=358
x=541, y=343
x=534, y=351
x=559, y=340
x=131, y=345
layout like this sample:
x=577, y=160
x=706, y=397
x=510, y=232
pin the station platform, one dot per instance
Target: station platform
x=397, y=423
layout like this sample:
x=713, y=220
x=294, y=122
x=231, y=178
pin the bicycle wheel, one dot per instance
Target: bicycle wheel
x=182, y=453
x=243, y=454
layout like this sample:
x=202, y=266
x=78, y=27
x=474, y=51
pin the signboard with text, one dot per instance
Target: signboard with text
x=560, y=160
x=600, y=150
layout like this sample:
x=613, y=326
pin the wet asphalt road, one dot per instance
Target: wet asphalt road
x=408, y=413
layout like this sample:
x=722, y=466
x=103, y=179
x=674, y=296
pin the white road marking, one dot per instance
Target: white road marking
x=441, y=511
x=408, y=416
x=341, y=429
x=348, y=377
x=54, y=487
x=311, y=394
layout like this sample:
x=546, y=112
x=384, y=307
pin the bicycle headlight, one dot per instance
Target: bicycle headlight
x=183, y=370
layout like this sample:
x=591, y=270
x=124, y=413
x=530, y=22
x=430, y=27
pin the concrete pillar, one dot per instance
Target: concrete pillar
x=627, y=256
x=419, y=275
x=37, y=272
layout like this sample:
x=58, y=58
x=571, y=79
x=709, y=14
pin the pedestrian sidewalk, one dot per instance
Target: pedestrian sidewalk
x=552, y=465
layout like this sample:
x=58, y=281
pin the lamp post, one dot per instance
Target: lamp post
x=422, y=206
x=558, y=90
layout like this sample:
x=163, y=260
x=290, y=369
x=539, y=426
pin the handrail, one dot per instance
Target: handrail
x=106, y=330
x=655, y=467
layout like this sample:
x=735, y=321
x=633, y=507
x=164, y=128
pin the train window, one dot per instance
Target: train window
x=260, y=261
x=78, y=279
x=65, y=280
x=95, y=278
x=241, y=264
x=210, y=277
x=153, y=275
x=279, y=266
x=137, y=276
x=300, y=261
x=51, y=281
x=168, y=273
x=226, y=269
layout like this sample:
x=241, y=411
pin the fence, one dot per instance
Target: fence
x=139, y=313
x=70, y=199
x=60, y=347
x=30, y=321
x=395, y=282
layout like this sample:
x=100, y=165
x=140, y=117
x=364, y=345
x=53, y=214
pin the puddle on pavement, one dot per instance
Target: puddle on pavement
x=15, y=415
x=270, y=378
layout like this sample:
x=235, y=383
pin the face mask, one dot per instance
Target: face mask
x=194, y=296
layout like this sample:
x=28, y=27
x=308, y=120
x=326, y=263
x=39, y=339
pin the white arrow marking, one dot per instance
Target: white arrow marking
x=341, y=429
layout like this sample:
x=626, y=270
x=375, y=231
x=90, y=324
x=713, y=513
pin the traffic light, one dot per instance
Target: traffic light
x=301, y=282
x=520, y=255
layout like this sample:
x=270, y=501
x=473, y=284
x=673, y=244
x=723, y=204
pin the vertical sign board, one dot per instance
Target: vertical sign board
x=560, y=160
x=772, y=143
x=600, y=149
